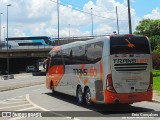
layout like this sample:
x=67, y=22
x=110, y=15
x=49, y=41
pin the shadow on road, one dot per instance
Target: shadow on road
x=100, y=109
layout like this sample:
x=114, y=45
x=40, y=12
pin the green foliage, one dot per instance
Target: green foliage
x=157, y=50
x=155, y=40
x=156, y=83
x=156, y=61
x=148, y=27
x=156, y=73
x=156, y=79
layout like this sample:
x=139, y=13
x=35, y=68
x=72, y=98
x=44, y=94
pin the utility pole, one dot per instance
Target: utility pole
x=69, y=32
x=129, y=17
x=58, y=18
x=92, y=21
x=7, y=42
x=4, y=34
x=117, y=20
x=0, y=29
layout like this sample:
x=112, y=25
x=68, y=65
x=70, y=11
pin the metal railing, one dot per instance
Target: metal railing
x=26, y=47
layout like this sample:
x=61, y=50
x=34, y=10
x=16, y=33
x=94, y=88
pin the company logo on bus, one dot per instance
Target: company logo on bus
x=86, y=72
x=130, y=44
x=141, y=60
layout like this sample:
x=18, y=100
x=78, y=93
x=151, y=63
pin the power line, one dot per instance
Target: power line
x=93, y=7
x=85, y=12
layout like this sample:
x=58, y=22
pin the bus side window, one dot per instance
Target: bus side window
x=66, y=54
x=94, y=52
x=56, y=59
x=78, y=55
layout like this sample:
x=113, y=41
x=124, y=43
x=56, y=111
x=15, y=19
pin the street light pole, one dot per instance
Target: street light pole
x=4, y=34
x=69, y=32
x=117, y=20
x=58, y=18
x=129, y=17
x=7, y=42
x=0, y=29
x=92, y=21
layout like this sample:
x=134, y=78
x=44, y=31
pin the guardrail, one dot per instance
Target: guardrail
x=26, y=47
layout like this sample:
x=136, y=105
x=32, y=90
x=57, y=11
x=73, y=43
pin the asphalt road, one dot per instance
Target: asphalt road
x=38, y=98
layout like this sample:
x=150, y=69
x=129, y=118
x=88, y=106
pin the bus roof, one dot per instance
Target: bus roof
x=79, y=43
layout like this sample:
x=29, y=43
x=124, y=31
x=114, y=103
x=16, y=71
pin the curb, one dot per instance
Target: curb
x=156, y=96
x=155, y=101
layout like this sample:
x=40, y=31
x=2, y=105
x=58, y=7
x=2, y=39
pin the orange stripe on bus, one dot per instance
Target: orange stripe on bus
x=57, y=73
x=93, y=100
x=127, y=97
x=101, y=70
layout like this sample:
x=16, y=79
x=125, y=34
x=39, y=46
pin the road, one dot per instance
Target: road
x=38, y=98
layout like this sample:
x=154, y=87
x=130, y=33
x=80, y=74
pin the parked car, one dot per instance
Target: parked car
x=30, y=69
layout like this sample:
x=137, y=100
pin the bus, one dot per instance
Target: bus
x=110, y=69
x=30, y=41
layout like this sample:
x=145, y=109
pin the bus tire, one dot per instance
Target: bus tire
x=79, y=95
x=87, y=96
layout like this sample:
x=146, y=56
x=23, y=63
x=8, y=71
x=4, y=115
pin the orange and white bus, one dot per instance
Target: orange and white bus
x=110, y=69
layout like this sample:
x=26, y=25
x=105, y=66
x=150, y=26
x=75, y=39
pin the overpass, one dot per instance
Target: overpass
x=20, y=58
x=29, y=54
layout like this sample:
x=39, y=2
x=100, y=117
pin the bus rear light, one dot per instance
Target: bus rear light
x=151, y=82
x=110, y=36
x=109, y=83
x=145, y=37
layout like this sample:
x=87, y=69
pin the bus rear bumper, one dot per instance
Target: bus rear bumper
x=127, y=98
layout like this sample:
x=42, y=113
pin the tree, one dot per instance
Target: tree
x=155, y=41
x=157, y=50
x=151, y=28
x=148, y=27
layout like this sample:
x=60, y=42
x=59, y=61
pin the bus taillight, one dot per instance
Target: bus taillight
x=151, y=82
x=109, y=83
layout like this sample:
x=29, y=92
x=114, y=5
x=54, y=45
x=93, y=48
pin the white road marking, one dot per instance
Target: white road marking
x=7, y=103
x=27, y=97
x=14, y=106
x=18, y=99
x=15, y=98
x=16, y=118
x=26, y=109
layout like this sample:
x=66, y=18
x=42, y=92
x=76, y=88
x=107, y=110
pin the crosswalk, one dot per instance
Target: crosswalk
x=21, y=107
x=20, y=103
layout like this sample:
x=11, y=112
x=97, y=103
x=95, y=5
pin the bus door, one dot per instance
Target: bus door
x=130, y=63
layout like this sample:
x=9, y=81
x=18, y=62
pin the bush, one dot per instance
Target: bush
x=156, y=73
x=156, y=61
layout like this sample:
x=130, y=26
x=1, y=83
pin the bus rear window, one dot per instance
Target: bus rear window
x=129, y=45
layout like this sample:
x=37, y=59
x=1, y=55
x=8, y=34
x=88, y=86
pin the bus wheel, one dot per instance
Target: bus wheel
x=79, y=95
x=88, y=96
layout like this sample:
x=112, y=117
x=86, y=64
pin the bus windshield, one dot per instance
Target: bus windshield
x=129, y=45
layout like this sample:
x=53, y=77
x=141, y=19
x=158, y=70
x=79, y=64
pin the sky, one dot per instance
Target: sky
x=39, y=17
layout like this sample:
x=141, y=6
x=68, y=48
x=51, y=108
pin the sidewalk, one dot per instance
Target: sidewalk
x=156, y=96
